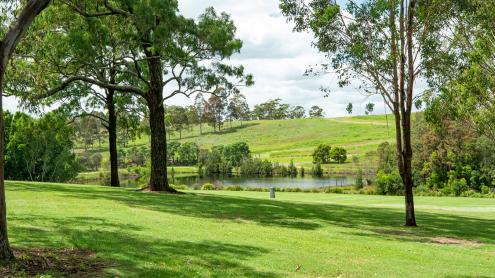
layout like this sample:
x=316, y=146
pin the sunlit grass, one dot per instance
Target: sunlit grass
x=245, y=234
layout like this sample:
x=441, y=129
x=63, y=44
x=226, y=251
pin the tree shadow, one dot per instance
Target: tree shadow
x=134, y=255
x=293, y=215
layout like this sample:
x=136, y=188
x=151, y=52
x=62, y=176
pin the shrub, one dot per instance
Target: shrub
x=317, y=171
x=234, y=188
x=179, y=186
x=485, y=189
x=208, y=186
x=292, y=170
x=105, y=179
x=369, y=191
x=359, y=180
x=389, y=184
x=456, y=186
x=336, y=190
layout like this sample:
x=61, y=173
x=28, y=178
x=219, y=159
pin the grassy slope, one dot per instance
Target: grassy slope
x=241, y=234
x=283, y=140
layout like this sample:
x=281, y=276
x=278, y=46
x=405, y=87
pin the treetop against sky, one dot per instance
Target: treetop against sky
x=277, y=58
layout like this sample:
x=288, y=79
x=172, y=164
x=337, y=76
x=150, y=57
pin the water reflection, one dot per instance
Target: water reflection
x=258, y=182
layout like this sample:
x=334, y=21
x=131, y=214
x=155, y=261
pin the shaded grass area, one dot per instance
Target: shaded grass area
x=244, y=234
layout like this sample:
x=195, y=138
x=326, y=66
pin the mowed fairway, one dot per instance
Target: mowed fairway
x=239, y=234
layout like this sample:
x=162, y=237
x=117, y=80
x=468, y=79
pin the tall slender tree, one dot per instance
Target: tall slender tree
x=402, y=32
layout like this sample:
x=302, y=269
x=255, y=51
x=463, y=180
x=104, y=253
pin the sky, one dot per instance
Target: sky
x=277, y=57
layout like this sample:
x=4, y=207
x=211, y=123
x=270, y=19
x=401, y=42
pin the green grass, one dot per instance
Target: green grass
x=244, y=234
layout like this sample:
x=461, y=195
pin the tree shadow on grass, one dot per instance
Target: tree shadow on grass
x=134, y=255
x=294, y=215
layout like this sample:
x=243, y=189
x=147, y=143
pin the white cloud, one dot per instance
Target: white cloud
x=278, y=57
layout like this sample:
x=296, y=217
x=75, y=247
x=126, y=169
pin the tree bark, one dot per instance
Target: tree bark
x=7, y=46
x=112, y=139
x=5, y=251
x=158, y=178
x=406, y=119
x=401, y=107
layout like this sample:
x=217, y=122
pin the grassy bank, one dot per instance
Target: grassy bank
x=244, y=234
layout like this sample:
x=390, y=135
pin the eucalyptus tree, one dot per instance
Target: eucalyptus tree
x=199, y=104
x=237, y=108
x=382, y=45
x=15, y=18
x=349, y=108
x=157, y=50
x=297, y=112
x=368, y=109
x=67, y=49
x=316, y=112
x=215, y=111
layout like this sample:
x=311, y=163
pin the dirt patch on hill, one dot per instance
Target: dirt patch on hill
x=33, y=262
x=416, y=236
x=455, y=241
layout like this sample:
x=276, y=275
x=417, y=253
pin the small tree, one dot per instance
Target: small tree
x=317, y=171
x=369, y=108
x=199, y=103
x=349, y=108
x=321, y=154
x=316, y=112
x=292, y=169
x=297, y=112
x=359, y=180
x=215, y=111
x=338, y=155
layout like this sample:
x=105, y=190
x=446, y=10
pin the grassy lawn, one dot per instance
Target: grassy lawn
x=244, y=234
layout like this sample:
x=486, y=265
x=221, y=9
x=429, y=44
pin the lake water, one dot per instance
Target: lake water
x=280, y=182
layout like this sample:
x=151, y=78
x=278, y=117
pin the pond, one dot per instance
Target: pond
x=265, y=182
x=252, y=182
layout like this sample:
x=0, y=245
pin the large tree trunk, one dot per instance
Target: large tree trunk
x=406, y=119
x=112, y=139
x=7, y=46
x=158, y=178
x=5, y=251
x=404, y=161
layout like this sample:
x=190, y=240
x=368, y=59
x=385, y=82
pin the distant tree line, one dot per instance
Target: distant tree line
x=451, y=160
x=220, y=109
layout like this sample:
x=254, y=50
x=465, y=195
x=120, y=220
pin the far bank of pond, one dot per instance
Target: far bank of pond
x=265, y=182
x=192, y=180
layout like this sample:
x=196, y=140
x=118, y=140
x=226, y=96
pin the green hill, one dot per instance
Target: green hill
x=285, y=139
